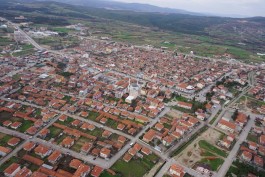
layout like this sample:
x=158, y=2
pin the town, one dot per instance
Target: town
x=106, y=108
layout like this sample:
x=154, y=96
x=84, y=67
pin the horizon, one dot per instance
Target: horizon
x=245, y=8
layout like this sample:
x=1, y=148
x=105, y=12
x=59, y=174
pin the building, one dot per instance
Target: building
x=12, y=170
x=247, y=156
x=24, y=172
x=4, y=151
x=176, y=170
x=184, y=105
x=105, y=153
x=54, y=157
x=225, y=125
x=68, y=142
x=96, y=171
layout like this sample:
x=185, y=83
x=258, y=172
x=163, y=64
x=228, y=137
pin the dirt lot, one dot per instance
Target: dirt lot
x=193, y=153
x=174, y=113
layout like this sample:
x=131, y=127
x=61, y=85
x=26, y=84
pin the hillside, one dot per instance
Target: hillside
x=247, y=34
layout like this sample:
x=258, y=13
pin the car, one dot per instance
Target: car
x=94, y=158
x=131, y=144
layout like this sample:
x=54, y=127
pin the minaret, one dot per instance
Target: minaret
x=129, y=86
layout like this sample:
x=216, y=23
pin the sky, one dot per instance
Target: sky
x=245, y=8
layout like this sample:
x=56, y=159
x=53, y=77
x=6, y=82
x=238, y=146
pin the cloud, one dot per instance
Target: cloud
x=225, y=7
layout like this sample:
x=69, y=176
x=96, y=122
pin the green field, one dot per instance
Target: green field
x=253, y=138
x=214, y=164
x=61, y=30
x=25, y=125
x=4, y=139
x=242, y=169
x=106, y=174
x=134, y=168
x=207, y=146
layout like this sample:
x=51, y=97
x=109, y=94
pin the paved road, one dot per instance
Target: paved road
x=98, y=161
x=229, y=160
x=225, y=108
x=19, y=147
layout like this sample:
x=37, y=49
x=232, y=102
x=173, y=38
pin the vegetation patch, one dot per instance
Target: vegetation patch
x=207, y=146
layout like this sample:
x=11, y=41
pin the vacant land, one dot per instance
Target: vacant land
x=207, y=146
x=203, y=151
x=136, y=167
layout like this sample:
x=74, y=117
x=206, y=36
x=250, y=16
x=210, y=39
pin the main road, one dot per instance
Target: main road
x=229, y=160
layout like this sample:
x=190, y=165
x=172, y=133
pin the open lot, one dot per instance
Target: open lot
x=203, y=151
x=136, y=167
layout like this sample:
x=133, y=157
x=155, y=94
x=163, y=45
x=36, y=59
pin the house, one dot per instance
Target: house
x=38, y=174
x=181, y=129
x=33, y=160
x=13, y=141
x=31, y=130
x=29, y=146
x=86, y=147
x=75, y=163
x=82, y=171
x=201, y=116
x=103, y=120
x=106, y=134
x=76, y=123
x=149, y=136
x=120, y=127
x=4, y=151
x=91, y=127
x=121, y=139
x=7, y=123
x=146, y=151
x=231, y=137
x=159, y=126
x=24, y=172
x=68, y=142
x=258, y=161
x=132, y=151
x=16, y=125
x=127, y=157
x=184, y=105
x=44, y=133
x=176, y=170
x=226, y=125
x=85, y=126
x=105, y=153
x=168, y=140
x=54, y=157
x=176, y=135
x=42, y=151
x=96, y=172
x=63, y=118
x=247, y=156
x=141, y=119
x=225, y=142
x=241, y=119
x=262, y=140
x=12, y=170
x=252, y=145
x=262, y=150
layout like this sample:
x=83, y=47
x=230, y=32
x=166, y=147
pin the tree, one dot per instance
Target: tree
x=234, y=116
